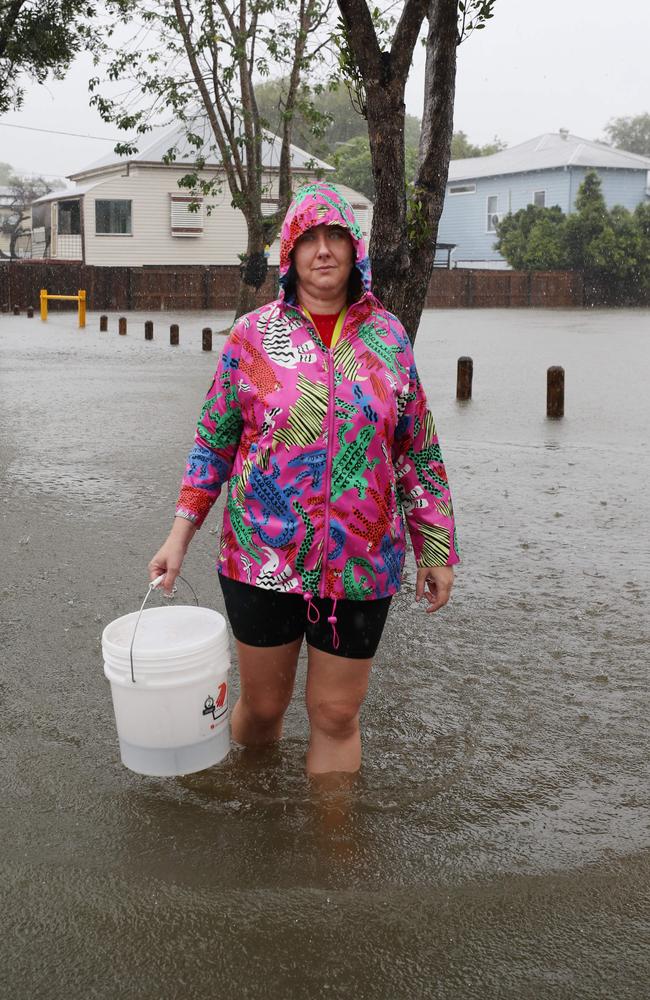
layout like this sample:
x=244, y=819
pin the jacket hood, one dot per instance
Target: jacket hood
x=318, y=204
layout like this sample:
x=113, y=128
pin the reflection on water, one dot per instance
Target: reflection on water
x=496, y=841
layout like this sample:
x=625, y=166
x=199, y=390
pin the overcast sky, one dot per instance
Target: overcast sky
x=539, y=65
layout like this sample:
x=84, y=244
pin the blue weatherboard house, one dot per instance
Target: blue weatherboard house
x=546, y=171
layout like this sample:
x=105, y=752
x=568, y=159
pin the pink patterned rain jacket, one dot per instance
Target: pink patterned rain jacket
x=326, y=453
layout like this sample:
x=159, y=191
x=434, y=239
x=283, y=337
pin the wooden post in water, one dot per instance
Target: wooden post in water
x=121, y=326
x=464, y=378
x=207, y=338
x=148, y=330
x=555, y=391
x=103, y=324
x=173, y=335
x=30, y=312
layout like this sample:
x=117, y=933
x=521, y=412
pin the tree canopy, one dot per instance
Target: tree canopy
x=611, y=246
x=631, y=133
x=6, y=171
x=327, y=124
x=39, y=38
x=23, y=191
x=324, y=116
x=198, y=63
x=461, y=147
x=376, y=53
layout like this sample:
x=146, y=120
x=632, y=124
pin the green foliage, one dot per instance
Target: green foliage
x=354, y=165
x=199, y=64
x=461, y=147
x=631, y=133
x=611, y=246
x=324, y=118
x=417, y=220
x=472, y=16
x=530, y=236
x=42, y=37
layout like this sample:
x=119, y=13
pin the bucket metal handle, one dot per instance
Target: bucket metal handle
x=153, y=586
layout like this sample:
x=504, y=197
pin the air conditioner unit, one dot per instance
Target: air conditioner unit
x=495, y=219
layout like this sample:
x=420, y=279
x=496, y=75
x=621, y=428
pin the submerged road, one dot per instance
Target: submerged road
x=497, y=841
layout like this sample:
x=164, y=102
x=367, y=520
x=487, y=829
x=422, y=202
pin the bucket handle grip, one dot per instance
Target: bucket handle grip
x=153, y=586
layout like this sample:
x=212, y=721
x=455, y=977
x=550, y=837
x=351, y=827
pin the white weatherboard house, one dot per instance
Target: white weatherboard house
x=546, y=171
x=130, y=211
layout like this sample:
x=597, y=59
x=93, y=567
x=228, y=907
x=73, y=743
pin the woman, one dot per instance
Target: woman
x=317, y=422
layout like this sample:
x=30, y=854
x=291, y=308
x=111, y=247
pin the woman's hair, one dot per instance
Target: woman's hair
x=355, y=284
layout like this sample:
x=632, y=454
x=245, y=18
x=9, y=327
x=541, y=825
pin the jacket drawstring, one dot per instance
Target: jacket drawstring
x=308, y=596
x=313, y=610
x=332, y=621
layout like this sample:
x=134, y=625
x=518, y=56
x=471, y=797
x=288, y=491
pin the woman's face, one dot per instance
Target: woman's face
x=323, y=258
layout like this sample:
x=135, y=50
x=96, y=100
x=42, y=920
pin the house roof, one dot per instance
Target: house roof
x=186, y=153
x=65, y=193
x=550, y=151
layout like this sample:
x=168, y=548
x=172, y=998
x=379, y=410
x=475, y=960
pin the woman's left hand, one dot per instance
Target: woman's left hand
x=434, y=583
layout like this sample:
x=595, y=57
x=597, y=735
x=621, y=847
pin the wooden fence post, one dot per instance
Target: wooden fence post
x=121, y=326
x=555, y=391
x=148, y=330
x=207, y=338
x=30, y=312
x=173, y=334
x=464, y=378
x=103, y=324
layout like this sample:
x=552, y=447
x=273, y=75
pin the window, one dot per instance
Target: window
x=69, y=218
x=462, y=189
x=539, y=199
x=186, y=221
x=113, y=218
x=493, y=213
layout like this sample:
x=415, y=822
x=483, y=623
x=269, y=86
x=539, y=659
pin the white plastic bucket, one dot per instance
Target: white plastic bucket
x=172, y=715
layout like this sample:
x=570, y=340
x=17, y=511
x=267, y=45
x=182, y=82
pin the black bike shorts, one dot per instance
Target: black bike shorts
x=260, y=617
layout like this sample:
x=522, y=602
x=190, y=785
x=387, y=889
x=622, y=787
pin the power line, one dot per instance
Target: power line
x=49, y=131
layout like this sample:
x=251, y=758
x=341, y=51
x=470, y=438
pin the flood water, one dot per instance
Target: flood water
x=497, y=841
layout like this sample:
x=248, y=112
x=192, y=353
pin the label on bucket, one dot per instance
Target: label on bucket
x=215, y=707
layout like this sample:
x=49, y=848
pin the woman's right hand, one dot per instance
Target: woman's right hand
x=169, y=557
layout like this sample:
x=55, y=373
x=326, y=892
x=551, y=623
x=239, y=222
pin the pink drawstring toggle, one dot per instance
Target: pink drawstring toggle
x=308, y=596
x=332, y=620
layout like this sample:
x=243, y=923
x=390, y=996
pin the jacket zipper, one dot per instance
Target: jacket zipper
x=328, y=467
x=330, y=440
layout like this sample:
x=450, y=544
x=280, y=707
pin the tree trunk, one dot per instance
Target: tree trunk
x=389, y=250
x=404, y=283
x=434, y=156
x=404, y=231
x=253, y=269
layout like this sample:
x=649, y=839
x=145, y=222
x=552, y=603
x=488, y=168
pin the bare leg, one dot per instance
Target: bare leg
x=267, y=676
x=336, y=687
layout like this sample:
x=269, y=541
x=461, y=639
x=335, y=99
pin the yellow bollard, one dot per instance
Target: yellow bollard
x=82, y=308
x=44, y=304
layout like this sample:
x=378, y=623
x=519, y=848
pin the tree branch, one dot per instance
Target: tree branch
x=439, y=90
x=405, y=37
x=205, y=97
x=363, y=38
